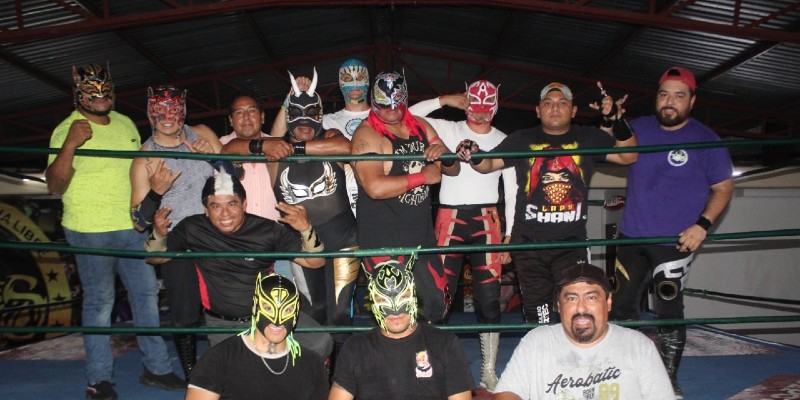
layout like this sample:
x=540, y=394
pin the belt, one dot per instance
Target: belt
x=225, y=317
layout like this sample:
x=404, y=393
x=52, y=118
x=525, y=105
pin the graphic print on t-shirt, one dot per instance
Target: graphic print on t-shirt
x=294, y=193
x=423, y=369
x=418, y=194
x=556, y=190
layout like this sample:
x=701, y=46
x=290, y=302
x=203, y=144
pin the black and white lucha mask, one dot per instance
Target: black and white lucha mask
x=304, y=108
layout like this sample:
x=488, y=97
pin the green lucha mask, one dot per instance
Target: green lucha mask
x=391, y=288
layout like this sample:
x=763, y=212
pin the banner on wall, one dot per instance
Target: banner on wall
x=30, y=280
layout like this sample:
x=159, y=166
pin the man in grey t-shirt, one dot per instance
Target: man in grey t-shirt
x=584, y=356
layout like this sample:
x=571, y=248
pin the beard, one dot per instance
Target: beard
x=98, y=113
x=670, y=121
x=584, y=334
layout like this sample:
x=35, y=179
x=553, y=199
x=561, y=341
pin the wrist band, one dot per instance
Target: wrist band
x=155, y=243
x=152, y=195
x=703, y=222
x=414, y=180
x=435, y=140
x=476, y=161
x=299, y=148
x=622, y=130
x=311, y=242
x=255, y=146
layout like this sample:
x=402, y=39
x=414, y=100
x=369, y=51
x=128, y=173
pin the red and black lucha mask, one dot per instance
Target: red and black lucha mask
x=166, y=103
x=92, y=82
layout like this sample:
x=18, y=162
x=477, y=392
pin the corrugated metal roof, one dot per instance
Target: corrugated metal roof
x=746, y=54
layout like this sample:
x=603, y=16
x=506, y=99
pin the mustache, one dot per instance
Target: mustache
x=668, y=108
x=590, y=316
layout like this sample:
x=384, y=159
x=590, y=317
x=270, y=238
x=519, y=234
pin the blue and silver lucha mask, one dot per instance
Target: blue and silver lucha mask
x=353, y=74
x=304, y=108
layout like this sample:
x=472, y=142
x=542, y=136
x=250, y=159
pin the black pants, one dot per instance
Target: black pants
x=473, y=226
x=538, y=271
x=639, y=265
x=182, y=291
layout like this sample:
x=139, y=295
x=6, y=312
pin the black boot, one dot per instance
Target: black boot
x=671, y=342
x=186, y=346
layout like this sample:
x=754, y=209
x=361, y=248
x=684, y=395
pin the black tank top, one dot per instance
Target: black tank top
x=404, y=220
x=319, y=186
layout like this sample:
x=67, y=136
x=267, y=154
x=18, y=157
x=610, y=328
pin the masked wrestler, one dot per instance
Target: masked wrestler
x=97, y=200
x=319, y=186
x=174, y=183
x=468, y=213
x=265, y=358
x=424, y=362
x=394, y=201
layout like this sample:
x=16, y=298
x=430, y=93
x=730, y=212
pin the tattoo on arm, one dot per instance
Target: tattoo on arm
x=362, y=146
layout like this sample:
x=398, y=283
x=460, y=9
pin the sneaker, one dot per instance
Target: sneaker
x=168, y=381
x=102, y=390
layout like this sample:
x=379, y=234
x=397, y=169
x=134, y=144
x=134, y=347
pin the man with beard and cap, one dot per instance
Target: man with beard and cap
x=400, y=358
x=680, y=192
x=584, y=357
x=175, y=183
x=96, y=194
x=552, y=200
x=265, y=360
x=468, y=213
x=225, y=283
x=320, y=187
x=394, y=202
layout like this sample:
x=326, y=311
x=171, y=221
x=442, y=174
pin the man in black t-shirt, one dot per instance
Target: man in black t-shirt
x=401, y=358
x=552, y=198
x=265, y=359
x=226, y=283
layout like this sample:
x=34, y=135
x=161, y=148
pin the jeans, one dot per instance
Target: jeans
x=97, y=275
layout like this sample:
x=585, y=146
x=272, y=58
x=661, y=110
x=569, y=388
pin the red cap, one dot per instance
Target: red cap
x=679, y=74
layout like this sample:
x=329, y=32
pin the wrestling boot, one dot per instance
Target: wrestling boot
x=186, y=346
x=489, y=343
x=671, y=342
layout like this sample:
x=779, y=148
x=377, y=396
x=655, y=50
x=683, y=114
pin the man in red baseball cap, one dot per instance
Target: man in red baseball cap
x=679, y=192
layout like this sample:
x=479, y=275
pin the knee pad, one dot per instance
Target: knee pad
x=670, y=277
x=345, y=271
